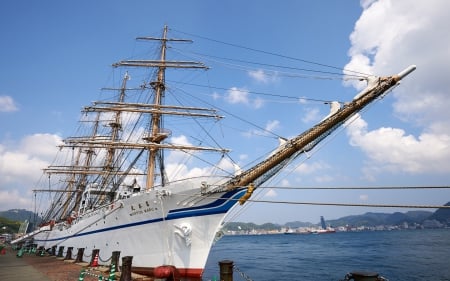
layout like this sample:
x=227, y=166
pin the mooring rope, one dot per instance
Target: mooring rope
x=335, y=204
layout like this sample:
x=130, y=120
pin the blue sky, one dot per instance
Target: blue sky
x=56, y=55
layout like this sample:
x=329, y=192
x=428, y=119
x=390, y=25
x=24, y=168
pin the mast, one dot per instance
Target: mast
x=116, y=126
x=155, y=124
x=255, y=176
x=76, y=174
x=156, y=132
x=71, y=183
x=83, y=181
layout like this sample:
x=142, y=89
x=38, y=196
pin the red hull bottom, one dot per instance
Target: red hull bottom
x=191, y=273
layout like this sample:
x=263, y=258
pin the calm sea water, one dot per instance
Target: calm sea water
x=396, y=255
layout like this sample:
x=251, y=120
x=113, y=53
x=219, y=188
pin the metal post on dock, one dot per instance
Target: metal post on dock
x=20, y=252
x=40, y=251
x=79, y=255
x=94, y=256
x=363, y=276
x=69, y=253
x=115, y=259
x=60, y=251
x=226, y=270
x=126, y=268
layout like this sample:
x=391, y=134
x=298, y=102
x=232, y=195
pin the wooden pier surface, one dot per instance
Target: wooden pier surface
x=31, y=267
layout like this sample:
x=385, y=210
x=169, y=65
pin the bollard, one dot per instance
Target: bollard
x=126, y=268
x=94, y=257
x=60, y=251
x=82, y=273
x=53, y=251
x=79, y=255
x=20, y=253
x=226, y=270
x=363, y=276
x=39, y=250
x=115, y=259
x=69, y=253
x=112, y=272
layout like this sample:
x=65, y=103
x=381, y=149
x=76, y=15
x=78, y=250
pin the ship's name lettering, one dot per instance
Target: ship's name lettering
x=140, y=212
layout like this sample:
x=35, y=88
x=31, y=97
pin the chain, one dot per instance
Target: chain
x=87, y=256
x=102, y=260
x=243, y=275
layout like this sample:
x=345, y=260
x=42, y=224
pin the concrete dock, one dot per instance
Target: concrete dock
x=17, y=269
x=30, y=267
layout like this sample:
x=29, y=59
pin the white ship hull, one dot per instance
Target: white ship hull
x=155, y=230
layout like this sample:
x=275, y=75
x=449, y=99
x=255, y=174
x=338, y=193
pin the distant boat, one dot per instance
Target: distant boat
x=291, y=231
x=100, y=203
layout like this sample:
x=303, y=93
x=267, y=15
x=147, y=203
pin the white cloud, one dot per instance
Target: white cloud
x=21, y=167
x=180, y=164
x=258, y=103
x=263, y=76
x=241, y=96
x=7, y=104
x=312, y=114
x=180, y=140
x=42, y=145
x=363, y=197
x=323, y=179
x=284, y=182
x=270, y=193
x=302, y=100
x=366, y=3
x=389, y=36
x=310, y=168
x=272, y=125
x=237, y=95
x=398, y=151
x=12, y=199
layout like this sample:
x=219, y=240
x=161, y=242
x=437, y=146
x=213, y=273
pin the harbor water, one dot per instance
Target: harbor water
x=396, y=255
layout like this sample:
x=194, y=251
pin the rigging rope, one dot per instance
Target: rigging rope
x=268, y=53
x=340, y=204
x=295, y=99
x=216, y=59
x=357, y=188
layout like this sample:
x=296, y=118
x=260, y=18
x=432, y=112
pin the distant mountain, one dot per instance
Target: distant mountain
x=367, y=219
x=374, y=219
x=441, y=215
x=18, y=215
x=249, y=226
x=8, y=226
x=419, y=215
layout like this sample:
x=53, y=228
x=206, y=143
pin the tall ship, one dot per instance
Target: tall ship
x=113, y=192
